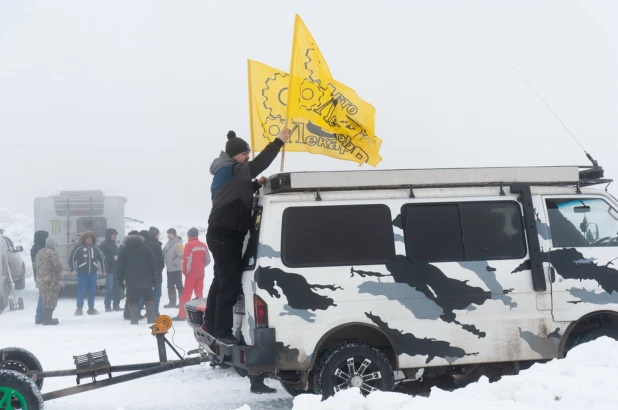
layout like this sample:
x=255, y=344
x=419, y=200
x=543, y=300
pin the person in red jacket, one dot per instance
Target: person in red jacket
x=194, y=262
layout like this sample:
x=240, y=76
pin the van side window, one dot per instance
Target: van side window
x=337, y=236
x=466, y=231
x=582, y=222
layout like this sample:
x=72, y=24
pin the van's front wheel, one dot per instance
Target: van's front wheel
x=353, y=364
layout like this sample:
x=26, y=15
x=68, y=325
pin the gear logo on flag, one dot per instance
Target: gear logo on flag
x=272, y=127
x=275, y=95
x=310, y=95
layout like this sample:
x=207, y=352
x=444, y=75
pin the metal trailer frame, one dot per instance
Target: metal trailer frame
x=96, y=364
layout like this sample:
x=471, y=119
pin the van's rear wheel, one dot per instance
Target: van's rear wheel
x=353, y=364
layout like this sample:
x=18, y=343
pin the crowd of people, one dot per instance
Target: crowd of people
x=135, y=268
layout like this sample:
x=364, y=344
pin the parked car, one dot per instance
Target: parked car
x=10, y=259
x=373, y=278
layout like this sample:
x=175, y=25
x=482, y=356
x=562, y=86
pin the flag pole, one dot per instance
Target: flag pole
x=283, y=150
x=287, y=112
x=250, y=109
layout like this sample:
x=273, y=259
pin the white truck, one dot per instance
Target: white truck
x=71, y=213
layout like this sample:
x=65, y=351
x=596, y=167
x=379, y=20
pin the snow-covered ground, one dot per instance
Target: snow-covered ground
x=197, y=387
x=587, y=379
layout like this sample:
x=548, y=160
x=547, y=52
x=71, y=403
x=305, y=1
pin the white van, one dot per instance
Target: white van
x=372, y=278
x=71, y=213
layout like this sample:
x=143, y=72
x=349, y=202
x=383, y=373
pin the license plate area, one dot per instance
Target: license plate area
x=239, y=309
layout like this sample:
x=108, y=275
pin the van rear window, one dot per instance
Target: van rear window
x=337, y=236
x=465, y=231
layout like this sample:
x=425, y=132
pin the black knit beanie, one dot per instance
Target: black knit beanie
x=153, y=231
x=235, y=145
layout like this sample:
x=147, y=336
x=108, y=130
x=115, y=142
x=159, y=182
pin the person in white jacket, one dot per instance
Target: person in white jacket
x=172, y=253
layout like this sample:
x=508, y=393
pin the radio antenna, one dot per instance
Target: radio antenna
x=594, y=162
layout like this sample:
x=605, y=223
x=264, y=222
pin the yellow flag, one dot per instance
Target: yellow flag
x=268, y=89
x=267, y=98
x=323, y=112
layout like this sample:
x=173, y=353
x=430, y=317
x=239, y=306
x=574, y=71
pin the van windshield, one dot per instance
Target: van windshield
x=582, y=222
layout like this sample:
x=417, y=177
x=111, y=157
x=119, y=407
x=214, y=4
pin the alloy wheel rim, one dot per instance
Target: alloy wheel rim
x=357, y=371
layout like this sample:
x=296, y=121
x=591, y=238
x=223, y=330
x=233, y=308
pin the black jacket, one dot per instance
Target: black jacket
x=110, y=251
x=39, y=243
x=233, y=186
x=157, y=251
x=84, y=257
x=137, y=267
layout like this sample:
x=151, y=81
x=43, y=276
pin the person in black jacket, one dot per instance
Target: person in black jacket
x=152, y=241
x=232, y=192
x=137, y=272
x=232, y=189
x=39, y=243
x=83, y=264
x=126, y=314
x=110, y=251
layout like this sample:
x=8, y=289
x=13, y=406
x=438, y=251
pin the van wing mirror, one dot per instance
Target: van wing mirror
x=18, y=249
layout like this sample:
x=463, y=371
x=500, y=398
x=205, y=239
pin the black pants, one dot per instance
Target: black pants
x=174, y=280
x=226, y=249
x=134, y=295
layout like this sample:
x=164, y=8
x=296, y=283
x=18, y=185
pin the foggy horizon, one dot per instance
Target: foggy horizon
x=136, y=98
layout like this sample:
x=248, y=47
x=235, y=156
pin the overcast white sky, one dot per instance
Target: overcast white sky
x=136, y=97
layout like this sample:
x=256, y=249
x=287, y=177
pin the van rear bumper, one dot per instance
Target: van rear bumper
x=260, y=358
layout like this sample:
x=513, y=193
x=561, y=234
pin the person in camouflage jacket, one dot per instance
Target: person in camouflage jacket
x=48, y=270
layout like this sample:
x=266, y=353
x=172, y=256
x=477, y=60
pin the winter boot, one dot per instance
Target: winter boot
x=126, y=314
x=47, y=318
x=150, y=312
x=258, y=386
x=171, y=293
x=92, y=311
x=79, y=312
x=134, y=312
x=108, y=310
x=38, y=321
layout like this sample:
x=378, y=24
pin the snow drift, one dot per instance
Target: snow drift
x=586, y=379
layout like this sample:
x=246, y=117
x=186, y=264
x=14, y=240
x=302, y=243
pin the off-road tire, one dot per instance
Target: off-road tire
x=593, y=334
x=21, y=361
x=325, y=380
x=22, y=387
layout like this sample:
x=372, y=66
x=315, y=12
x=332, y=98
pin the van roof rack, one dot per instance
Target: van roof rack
x=579, y=176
